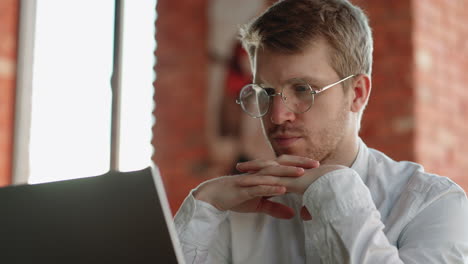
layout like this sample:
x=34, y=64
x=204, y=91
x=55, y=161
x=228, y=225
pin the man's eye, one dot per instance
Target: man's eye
x=301, y=88
x=269, y=91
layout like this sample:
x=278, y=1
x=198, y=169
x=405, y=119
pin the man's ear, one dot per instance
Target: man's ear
x=360, y=91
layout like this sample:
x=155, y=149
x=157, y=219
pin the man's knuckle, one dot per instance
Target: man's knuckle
x=262, y=190
x=275, y=180
x=281, y=157
x=242, y=180
x=250, y=192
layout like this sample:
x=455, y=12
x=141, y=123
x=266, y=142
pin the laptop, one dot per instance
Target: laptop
x=112, y=218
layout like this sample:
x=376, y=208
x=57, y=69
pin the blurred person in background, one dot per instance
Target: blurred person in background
x=240, y=138
x=232, y=136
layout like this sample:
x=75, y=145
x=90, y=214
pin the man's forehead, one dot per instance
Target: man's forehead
x=307, y=64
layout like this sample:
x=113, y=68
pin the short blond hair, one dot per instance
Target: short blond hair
x=289, y=26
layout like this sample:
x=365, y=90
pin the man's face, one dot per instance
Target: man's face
x=320, y=132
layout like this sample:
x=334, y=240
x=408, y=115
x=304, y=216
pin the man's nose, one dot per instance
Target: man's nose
x=279, y=112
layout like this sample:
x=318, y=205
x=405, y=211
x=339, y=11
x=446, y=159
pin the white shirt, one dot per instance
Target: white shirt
x=377, y=211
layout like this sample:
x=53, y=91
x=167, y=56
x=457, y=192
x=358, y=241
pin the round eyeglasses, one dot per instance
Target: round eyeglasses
x=297, y=96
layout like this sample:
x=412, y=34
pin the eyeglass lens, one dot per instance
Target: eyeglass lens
x=298, y=97
x=256, y=100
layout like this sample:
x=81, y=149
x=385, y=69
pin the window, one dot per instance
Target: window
x=71, y=88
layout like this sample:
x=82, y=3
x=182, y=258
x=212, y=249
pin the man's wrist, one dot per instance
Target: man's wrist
x=201, y=195
x=317, y=173
x=338, y=193
x=198, y=195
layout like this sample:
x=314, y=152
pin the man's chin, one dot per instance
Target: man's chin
x=288, y=151
x=298, y=151
x=291, y=146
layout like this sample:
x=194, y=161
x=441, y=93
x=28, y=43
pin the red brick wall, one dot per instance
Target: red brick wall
x=8, y=50
x=388, y=122
x=180, y=94
x=440, y=38
x=419, y=101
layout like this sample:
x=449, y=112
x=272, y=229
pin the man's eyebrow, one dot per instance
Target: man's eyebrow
x=262, y=84
x=309, y=79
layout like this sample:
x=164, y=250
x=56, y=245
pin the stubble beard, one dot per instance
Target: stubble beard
x=321, y=145
x=324, y=146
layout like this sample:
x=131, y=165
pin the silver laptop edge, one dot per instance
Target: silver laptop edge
x=167, y=213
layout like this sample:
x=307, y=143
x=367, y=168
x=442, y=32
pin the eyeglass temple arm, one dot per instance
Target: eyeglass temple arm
x=333, y=84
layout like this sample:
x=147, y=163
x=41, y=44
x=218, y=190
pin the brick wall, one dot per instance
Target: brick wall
x=440, y=38
x=8, y=50
x=388, y=122
x=418, y=102
x=180, y=94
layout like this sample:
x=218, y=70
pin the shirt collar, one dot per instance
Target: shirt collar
x=360, y=164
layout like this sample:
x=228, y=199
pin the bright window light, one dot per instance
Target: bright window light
x=137, y=85
x=71, y=100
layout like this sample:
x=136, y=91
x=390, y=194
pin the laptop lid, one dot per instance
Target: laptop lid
x=120, y=217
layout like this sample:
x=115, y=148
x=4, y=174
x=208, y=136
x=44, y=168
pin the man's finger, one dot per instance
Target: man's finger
x=282, y=171
x=297, y=161
x=286, y=160
x=276, y=177
x=254, y=165
x=275, y=209
x=254, y=180
x=262, y=190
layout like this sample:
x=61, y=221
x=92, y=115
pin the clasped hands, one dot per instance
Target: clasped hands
x=262, y=179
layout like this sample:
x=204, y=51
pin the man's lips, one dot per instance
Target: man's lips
x=285, y=141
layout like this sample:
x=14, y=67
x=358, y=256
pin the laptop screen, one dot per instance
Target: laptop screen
x=117, y=216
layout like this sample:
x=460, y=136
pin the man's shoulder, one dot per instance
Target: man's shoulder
x=432, y=187
x=413, y=174
x=402, y=190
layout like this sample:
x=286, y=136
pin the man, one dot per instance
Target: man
x=327, y=197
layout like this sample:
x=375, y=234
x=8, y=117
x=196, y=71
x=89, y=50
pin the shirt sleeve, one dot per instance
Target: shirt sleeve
x=346, y=226
x=198, y=225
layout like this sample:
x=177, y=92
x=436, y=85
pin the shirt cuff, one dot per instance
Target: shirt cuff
x=336, y=194
x=197, y=222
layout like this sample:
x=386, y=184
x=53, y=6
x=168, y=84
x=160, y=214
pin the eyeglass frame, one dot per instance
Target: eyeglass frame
x=312, y=92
